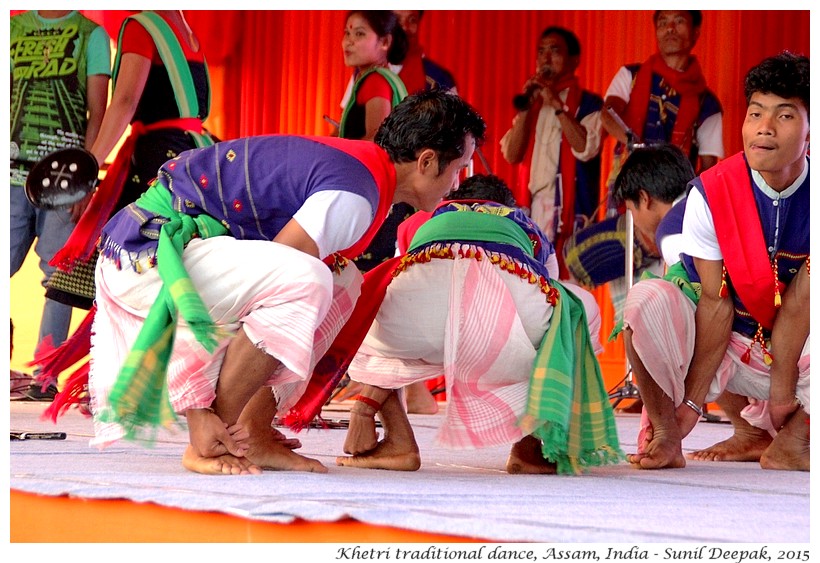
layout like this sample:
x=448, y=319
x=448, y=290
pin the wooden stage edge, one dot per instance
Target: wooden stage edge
x=46, y=519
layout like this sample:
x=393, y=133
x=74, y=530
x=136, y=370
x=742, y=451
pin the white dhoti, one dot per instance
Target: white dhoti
x=289, y=304
x=474, y=323
x=662, y=320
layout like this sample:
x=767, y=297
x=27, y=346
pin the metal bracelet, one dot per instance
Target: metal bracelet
x=693, y=406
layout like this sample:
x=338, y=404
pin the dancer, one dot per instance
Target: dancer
x=746, y=342
x=257, y=306
x=473, y=299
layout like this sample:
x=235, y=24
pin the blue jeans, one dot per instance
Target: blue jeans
x=51, y=230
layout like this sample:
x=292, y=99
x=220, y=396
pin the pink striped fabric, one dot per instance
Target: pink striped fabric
x=662, y=320
x=281, y=296
x=486, y=352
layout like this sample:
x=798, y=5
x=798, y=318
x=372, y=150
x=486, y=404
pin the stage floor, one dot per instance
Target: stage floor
x=65, y=490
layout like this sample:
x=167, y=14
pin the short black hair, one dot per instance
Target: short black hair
x=484, y=187
x=662, y=170
x=785, y=75
x=384, y=23
x=432, y=119
x=697, y=17
x=573, y=45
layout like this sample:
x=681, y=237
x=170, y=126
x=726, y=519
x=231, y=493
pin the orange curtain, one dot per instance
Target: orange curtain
x=281, y=71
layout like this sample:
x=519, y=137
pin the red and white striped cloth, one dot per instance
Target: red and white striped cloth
x=479, y=326
x=662, y=320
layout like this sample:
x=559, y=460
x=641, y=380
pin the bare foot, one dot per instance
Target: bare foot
x=361, y=432
x=744, y=445
x=662, y=451
x=210, y=437
x=386, y=455
x=526, y=458
x=268, y=452
x=790, y=449
x=220, y=465
x=420, y=400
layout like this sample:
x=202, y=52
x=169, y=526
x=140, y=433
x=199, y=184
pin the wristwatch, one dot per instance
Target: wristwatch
x=561, y=110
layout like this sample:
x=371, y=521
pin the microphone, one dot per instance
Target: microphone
x=523, y=101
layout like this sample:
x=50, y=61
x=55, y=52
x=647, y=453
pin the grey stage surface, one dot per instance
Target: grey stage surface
x=463, y=493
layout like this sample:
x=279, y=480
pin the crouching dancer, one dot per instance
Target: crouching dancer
x=220, y=288
x=472, y=299
x=746, y=342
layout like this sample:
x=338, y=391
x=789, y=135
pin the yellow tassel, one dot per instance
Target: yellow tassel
x=777, y=300
x=767, y=357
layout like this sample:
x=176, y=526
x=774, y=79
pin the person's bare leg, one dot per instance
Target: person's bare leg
x=419, y=399
x=664, y=447
x=526, y=458
x=398, y=450
x=746, y=444
x=361, y=432
x=265, y=448
x=245, y=370
x=351, y=389
x=790, y=449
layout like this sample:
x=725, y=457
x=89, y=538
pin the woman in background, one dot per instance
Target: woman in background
x=372, y=39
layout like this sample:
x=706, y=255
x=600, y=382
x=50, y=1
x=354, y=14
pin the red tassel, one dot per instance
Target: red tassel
x=53, y=361
x=74, y=393
x=747, y=356
x=324, y=380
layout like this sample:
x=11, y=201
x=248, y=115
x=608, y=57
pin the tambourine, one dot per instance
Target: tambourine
x=62, y=178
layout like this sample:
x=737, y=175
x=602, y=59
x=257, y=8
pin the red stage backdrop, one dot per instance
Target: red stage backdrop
x=280, y=71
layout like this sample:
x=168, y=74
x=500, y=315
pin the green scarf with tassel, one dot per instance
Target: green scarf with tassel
x=139, y=399
x=568, y=407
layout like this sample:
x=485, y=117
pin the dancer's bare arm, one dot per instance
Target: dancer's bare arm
x=713, y=328
x=789, y=333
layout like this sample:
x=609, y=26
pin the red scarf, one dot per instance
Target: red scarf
x=80, y=245
x=729, y=192
x=566, y=166
x=689, y=84
x=333, y=365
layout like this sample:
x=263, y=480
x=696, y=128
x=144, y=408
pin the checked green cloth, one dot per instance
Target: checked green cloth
x=139, y=398
x=568, y=407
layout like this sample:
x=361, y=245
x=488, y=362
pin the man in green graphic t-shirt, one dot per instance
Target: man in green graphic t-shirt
x=60, y=68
